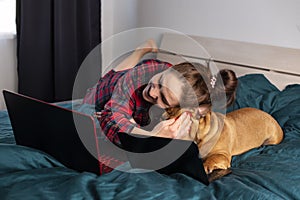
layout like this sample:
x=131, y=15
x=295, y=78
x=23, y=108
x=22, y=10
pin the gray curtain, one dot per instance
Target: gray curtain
x=53, y=39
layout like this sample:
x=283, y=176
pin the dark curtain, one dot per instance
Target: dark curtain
x=53, y=39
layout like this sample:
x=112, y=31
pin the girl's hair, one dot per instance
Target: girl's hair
x=204, y=86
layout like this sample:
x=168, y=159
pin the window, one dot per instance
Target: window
x=7, y=16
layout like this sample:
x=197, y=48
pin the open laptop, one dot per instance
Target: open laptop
x=52, y=129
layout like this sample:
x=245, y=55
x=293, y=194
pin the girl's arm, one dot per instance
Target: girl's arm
x=168, y=128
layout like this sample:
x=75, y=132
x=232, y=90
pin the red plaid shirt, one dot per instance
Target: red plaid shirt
x=119, y=97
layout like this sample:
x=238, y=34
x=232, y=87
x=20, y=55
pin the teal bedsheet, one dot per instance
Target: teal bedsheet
x=270, y=172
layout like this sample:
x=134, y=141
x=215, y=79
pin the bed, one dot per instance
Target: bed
x=267, y=172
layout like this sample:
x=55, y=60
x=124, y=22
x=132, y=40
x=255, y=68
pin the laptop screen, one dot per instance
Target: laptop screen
x=52, y=129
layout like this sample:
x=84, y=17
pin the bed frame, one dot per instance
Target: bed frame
x=279, y=64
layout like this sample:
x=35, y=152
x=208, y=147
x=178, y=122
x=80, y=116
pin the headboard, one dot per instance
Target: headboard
x=279, y=64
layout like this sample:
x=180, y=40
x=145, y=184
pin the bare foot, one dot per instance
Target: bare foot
x=147, y=47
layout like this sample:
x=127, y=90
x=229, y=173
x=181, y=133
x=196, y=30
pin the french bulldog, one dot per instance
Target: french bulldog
x=219, y=136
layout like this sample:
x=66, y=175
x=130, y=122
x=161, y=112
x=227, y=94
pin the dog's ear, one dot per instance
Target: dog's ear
x=203, y=110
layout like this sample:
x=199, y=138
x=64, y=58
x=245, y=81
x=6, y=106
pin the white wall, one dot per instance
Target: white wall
x=118, y=16
x=273, y=22
x=8, y=65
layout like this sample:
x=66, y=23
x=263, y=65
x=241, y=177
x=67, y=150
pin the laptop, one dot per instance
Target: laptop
x=52, y=129
x=164, y=155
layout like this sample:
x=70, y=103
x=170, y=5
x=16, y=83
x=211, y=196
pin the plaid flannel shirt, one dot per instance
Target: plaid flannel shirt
x=119, y=98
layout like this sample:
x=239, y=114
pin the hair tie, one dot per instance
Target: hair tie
x=213, y=81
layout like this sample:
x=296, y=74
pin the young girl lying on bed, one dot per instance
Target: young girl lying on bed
x=124, y=96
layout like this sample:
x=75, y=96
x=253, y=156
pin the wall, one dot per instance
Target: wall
x=8, y=65
x=274, y=22
x=117, y=16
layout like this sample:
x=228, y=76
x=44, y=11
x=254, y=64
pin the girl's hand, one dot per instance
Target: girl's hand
x=172, y=128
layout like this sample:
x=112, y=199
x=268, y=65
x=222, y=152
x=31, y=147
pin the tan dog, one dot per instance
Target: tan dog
x=220, y=137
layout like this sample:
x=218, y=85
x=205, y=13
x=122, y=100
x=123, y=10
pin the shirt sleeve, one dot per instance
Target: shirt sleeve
x=119, y=109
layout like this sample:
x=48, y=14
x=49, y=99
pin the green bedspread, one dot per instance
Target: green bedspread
x=269, y=172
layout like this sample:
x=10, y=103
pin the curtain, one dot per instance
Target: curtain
x=53, y=39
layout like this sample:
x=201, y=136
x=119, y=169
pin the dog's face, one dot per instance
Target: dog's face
x=200, y=120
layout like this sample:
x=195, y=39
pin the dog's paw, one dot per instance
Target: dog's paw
x=216, y=162
x=210, y=167
x=217, y=174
